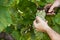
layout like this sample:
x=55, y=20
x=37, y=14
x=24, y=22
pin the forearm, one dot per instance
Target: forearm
x=52, y=34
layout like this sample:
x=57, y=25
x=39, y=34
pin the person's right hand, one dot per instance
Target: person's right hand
x=56, y=4
x=40, y=24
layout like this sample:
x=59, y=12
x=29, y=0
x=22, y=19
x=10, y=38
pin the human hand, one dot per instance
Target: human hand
x=56, y=4
x=40, y=24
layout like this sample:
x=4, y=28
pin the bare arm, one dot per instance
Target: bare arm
x=43, y=26
x=52, y=34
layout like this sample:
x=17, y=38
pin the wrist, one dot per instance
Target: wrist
x=47, y=29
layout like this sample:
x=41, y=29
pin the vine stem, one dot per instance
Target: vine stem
x=36, y=3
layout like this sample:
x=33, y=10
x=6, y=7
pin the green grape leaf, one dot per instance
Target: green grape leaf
x=57, y=18
x=7, y=2
x=15, y=35
x=5, y=19
x=49, y=1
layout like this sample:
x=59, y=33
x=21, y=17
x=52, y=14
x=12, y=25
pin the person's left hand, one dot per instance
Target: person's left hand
x=55, y=4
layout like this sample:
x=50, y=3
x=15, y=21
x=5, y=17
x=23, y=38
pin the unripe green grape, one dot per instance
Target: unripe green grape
x=41, y=14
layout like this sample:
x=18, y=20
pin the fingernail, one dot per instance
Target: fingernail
x=49, y=11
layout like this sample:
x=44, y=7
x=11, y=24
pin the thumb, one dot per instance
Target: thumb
x=38, y=19
x=51, y=9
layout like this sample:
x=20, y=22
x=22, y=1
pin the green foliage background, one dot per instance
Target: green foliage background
x=17, y=16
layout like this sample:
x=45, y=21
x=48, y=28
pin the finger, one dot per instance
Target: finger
x=53, y=13
x=51, y=9
x=38, y=19
x=34, y=23
x=37, y=29
x=50, y=13
x=46, y=21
